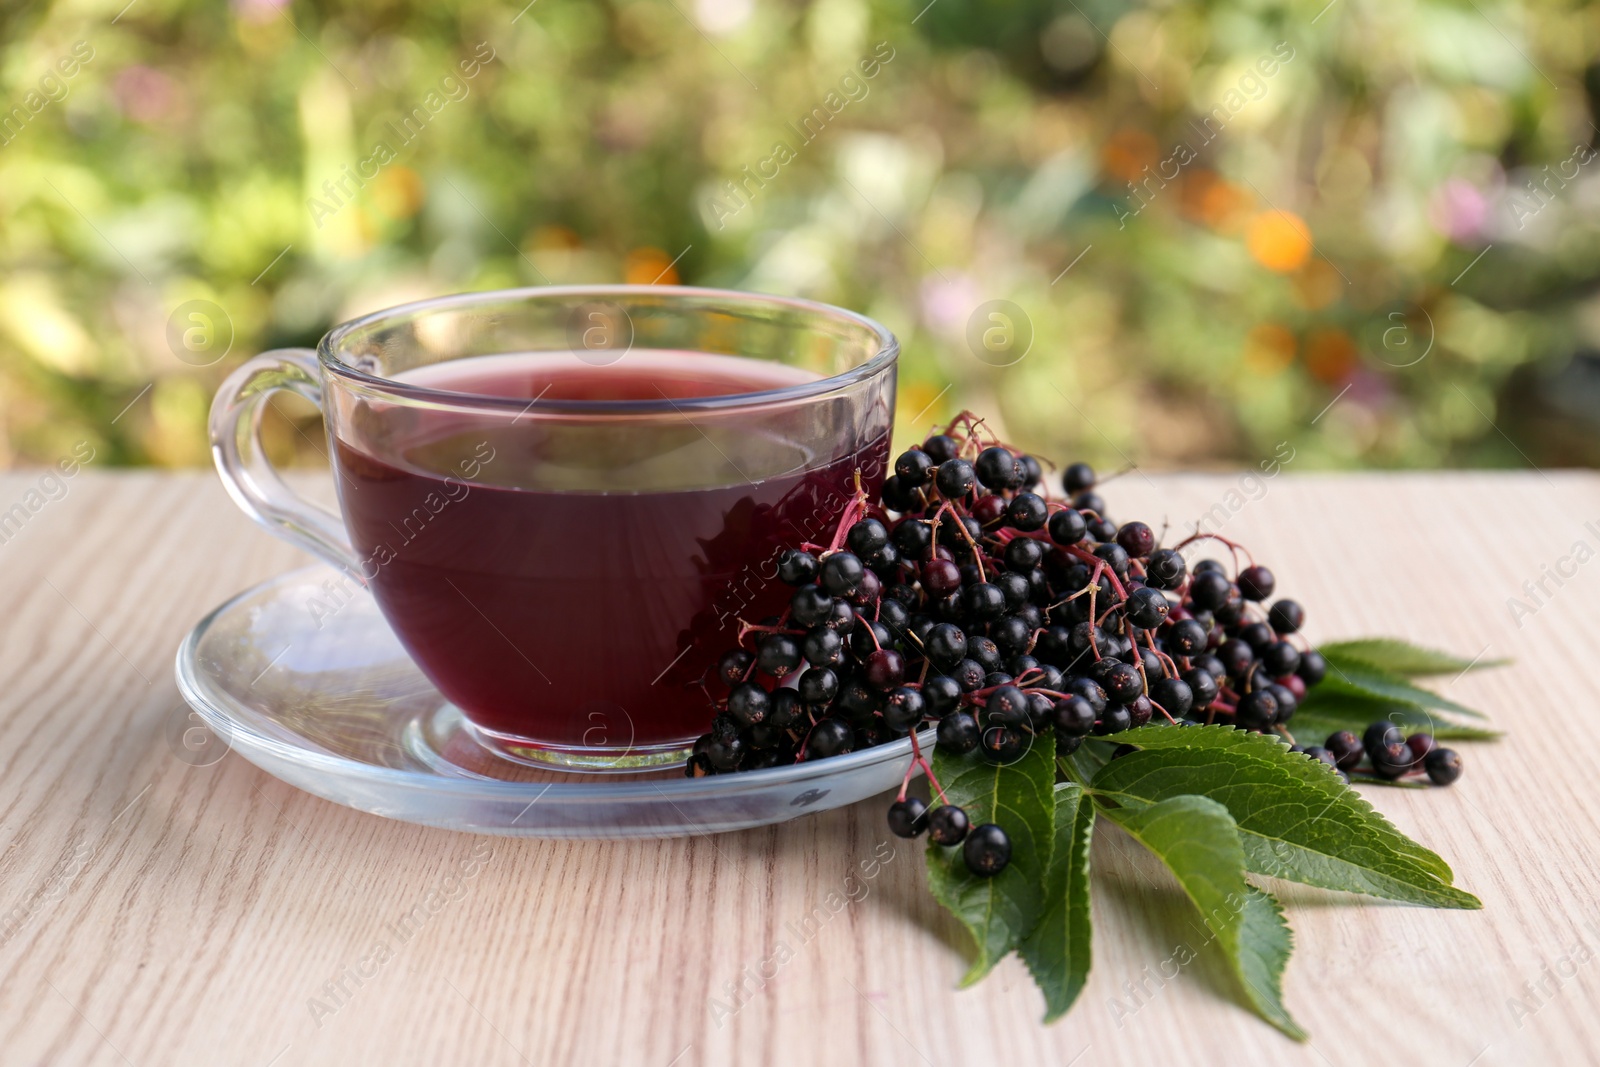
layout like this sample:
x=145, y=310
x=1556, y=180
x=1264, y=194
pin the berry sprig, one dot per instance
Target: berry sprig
x=964, y=598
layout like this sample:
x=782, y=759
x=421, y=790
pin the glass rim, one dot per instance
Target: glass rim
x=328, y=351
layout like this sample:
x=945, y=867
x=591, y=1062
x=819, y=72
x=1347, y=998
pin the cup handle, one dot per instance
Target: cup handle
x=241, y=461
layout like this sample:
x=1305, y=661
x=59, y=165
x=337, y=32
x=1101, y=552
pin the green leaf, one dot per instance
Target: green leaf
x=1401, y=657
x=1335, y=794
x=1324, y=712
x=1086, y=759
x=1290, y=828
x=1197, y=839
x=1356, y=677
x=1056, y=950
x=997, y=911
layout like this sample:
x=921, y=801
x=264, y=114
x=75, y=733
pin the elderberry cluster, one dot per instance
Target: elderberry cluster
x=1386, y=753
x=965, y=598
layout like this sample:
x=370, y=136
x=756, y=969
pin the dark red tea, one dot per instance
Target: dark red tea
x=549, y=606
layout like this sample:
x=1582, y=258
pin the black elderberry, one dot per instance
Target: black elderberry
x=1077, y=478
x=1032, y=473
x=810, y=606
x=867, y=591
x=984, y=600
x=1174, y=696
x=907, y=818
x=1010, y=635
x=823, y=647
x=1023, y=554
x=1232, y=612
x=1202, y=688
x=969, y=674
x=1006, y=706
x=894, y=616
x=946, y=644
x=829, y=737
x=1186, y=638
x=1281, y=659
x=1258, y=635
x=1016, y=588
x=1210, y=566
x=1136, y=539
x=1313, y=668
x=941, y=577
x=987, y=850
x=857, y=700
x=1123, y=683
x=1027, y=512
x=1256, y=583
x=912, y=537
x=985, y=652
x=914, y=467
x=955, y=478
x=819, y=685
x=905, y=709
x=1381, y=735
x=1103, y=530
x=1005, y=744
x=1210, y=589
x=724, y=753
x=1114, y=719
x=1141, y=711
x=1287, y=701
x=733, y=666
x=866, y=537
x=1073, y=716
x=1257, y=710
x=958, y=733
x=1085, y=633
x=1165, y=569
x=1236, y=657
x=869, y=636
x=1147, y=608
x=784, y=711
x=885, y=563
x=1443, y=766
x=941, y=447
x=1317, y=752
x=1346, y=748
x=1091, y=501
x=1211, y=665
x=947, y=825
x=885, y=669
x=997, y=469
x=898, y=496
x=841, y=573
x=1286, y=616
x=1090, y=690
x=797, y=568
x=1390, y=761
x=1041, y=710
x=1115, y=558
x=748, y=703
x=942, y=693
x=1420, y=745
x=1067, y=527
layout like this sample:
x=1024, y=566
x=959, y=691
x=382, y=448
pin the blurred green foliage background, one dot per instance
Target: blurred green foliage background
x=1368, y=229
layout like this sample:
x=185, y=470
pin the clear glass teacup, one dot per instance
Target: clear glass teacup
x=565, y=500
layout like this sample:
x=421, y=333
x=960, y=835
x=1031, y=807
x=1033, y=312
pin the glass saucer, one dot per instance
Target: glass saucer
x=331, y=704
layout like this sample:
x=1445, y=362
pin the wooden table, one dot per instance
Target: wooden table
x=153, y=912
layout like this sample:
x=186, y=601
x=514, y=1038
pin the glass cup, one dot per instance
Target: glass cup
x=566, y=500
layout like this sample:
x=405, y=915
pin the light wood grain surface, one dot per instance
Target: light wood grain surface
x=153, y=912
